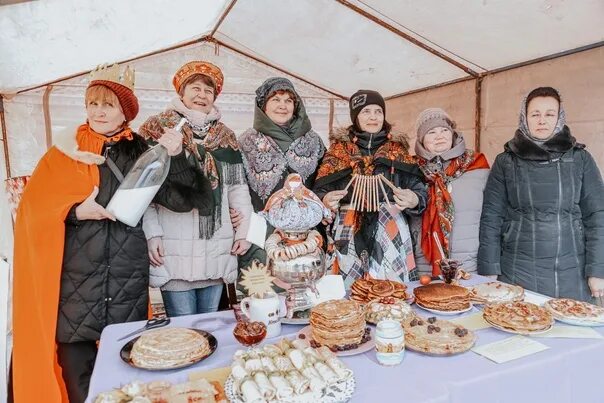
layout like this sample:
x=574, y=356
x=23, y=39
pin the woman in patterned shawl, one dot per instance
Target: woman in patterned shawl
x=280, y=142
x=192, y=254
x=370, y=244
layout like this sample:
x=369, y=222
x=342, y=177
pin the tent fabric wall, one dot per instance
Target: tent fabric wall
x=579, y=77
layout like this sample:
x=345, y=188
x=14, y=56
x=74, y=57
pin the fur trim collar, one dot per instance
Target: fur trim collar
x=66, y=142
x=527, y=149
x=343, y=134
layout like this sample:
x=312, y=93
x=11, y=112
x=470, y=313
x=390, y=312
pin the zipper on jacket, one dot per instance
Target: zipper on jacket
x=370, y=140
x=556, y=262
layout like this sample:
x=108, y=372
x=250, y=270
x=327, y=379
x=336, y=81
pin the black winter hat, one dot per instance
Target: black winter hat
x=361, y=99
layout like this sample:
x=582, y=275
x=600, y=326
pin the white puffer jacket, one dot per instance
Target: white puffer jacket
x=187, y=257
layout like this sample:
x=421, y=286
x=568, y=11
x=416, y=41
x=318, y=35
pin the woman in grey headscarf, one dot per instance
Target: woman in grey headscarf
x=542, y=223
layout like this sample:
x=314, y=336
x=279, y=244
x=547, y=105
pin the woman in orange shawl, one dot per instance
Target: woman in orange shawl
x=76, y=269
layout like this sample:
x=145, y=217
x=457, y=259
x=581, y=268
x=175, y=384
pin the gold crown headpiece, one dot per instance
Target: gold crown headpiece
x=112, y=73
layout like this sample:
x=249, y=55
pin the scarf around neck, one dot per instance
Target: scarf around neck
x=198, y=120
x=440, y=212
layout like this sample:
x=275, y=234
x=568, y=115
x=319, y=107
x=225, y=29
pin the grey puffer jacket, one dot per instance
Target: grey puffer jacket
x=542, y=223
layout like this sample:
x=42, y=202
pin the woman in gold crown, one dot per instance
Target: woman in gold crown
x=77, y=269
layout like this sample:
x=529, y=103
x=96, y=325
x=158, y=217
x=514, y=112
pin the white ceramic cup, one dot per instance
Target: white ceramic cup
x=263, y=308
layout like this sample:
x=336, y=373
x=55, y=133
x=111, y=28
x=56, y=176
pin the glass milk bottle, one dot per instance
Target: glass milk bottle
x=141, y=184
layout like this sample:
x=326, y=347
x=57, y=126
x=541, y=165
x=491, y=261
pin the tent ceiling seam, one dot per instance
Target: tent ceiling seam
x=423, y=37
x=266, y=63
x=407, y=37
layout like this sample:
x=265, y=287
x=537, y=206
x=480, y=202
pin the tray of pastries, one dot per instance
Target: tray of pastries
x=575, y=312
x=365, y=290
x=443, y=298
x=387, y=308
x=199, y=390
x=495, y=292
x=168, y=348
x=338, y=324
x=518, y=317
x=291, y=371
x=436, y=336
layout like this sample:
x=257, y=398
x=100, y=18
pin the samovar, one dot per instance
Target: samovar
x=294, y=250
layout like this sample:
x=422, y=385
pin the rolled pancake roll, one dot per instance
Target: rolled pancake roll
x=250, y=392
x=284, y=390
x=299, y=383
x=328, y=375
x=267, y=390
x=312, y=353
x=301, y=344
x=297, y=357
x=271, y=350
x=268, y=364
x=326, y=353
x=283, y=363
x=253, y=364
x=238, y=372
x=339, y=368
x=316, y=382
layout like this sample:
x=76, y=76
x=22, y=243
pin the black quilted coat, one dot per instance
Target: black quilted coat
x=105, y=275
x=542, y=224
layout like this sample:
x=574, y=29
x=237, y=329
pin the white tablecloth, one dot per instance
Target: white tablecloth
x=569, y=371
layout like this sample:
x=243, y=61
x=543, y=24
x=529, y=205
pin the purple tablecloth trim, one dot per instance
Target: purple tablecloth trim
x=567, y=372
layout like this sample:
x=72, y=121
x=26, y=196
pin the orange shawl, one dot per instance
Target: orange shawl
x=65, y=175
x=439, y=214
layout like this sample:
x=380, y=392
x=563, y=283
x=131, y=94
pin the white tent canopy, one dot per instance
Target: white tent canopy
x=339, y=45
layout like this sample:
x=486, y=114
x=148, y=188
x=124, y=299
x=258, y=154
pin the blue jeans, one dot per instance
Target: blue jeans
x=199, y=300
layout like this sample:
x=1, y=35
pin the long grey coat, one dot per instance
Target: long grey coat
x=542, y=224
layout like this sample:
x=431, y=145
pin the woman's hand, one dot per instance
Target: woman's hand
x=89, y=209
x=236, y=218
x=596, y=285
x=156, y=251
x=405, y=198
x=172, y=140
x=332, y=199
x=240, y=247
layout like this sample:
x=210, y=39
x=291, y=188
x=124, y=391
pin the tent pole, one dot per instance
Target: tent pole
x=233, y=49
x=331, y=113
x=47, y=121
x=407, y=37
x=477, y=111
x=222, y=17
x=4, y=138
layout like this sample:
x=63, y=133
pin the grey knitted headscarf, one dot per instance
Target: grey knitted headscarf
x=523, y=123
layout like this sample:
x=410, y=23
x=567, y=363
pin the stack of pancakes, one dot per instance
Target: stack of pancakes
x=169, y=347
x=365, y=290
x=443, y=297
x=337, y=323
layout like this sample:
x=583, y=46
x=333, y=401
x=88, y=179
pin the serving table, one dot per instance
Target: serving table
x=569, y=371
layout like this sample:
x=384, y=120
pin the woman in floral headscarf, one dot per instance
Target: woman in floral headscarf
x=197, y=252
x=542, y=224
x=280, y=142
